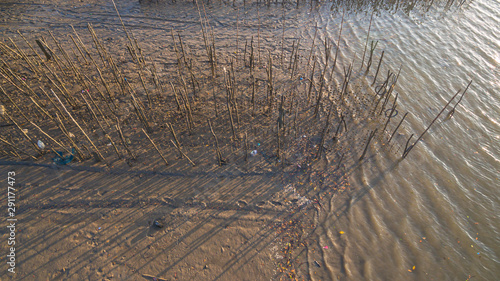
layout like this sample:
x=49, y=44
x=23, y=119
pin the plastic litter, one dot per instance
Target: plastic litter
x=253, y=152
x=158, y=224
x=41, y=144
x=60, y=159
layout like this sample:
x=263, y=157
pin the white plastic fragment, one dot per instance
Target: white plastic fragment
x=41, y=144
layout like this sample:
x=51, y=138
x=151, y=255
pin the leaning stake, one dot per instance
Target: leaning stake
x=74, y=121
x=157, y=150
x=419, y=138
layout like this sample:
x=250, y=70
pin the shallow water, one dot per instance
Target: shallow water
x=437, y=210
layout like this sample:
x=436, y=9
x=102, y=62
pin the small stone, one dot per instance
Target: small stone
x=157, y=224
x=205, y=267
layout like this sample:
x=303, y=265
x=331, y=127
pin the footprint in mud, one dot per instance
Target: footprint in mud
x=260, y=204
x=276, y=203
x=241, y=203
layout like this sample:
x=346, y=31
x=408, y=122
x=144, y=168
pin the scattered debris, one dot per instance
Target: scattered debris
x=157, y=224
x=60, y=159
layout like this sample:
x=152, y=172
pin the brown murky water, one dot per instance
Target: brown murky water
x=432, y=216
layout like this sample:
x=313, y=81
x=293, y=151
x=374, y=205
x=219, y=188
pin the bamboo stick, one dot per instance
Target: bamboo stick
x=78, y=47
x=340, y=161
x=122, y=138
x=217, y=150
x=392, y=111
x=378, y=68
x=15, y=149
x=311, y=80
x=76, y=123
x=338, y=45
x=312, y=46
x=422, y=135
x=114, y=146
x=367, y=37
x=372, y=134
x=8, y=49
x=372, y=49
x=61, y=126
x=397, y=127
x=175, y=95
x=25, y=58
x=183, y=154
x=133, y=53
x=15, y=105
x=48, y=136
x=246, y=146
x=27, y=42
x=37, y=149
x=452, y=111
x=172, y=131
x=157, y=150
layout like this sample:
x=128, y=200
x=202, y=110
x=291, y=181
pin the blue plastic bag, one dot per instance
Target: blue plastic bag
x=60, y=159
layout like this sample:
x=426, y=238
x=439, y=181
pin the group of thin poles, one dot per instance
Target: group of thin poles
x=58, y=104
x=99, y=98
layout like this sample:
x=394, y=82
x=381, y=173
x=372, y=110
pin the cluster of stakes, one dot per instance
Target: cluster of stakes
x=75, y=98
x=217, y=105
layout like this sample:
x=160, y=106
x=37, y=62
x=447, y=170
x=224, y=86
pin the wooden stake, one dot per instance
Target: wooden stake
x=217, y=150
x=378, y=68
x=122, y=138
x=171, y=128
x=76, y=123
x=397, y=127
x=183, y=154
x=312, y=46
x=420, y=137
x=48, y=136
x=157, y=150
x=60, y=124
x=37, y=149
x=367, y=144
x=452, y=111
x=15, y=149
x=367, y=37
